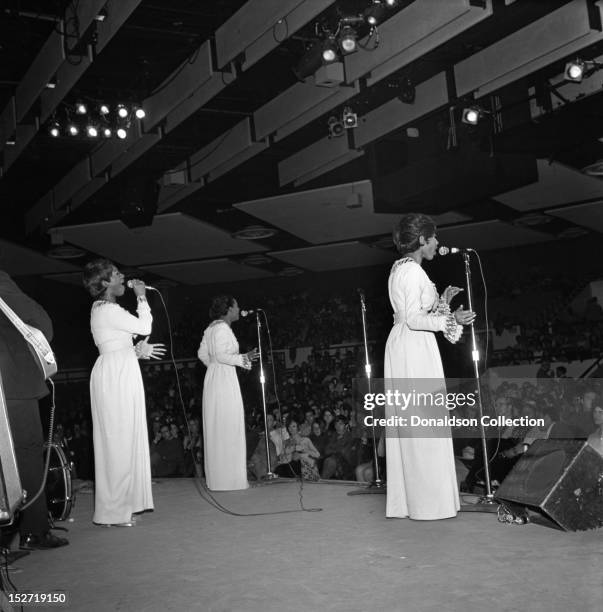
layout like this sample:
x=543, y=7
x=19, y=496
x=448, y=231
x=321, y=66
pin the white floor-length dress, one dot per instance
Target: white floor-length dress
x=121, y=444
x=421, y=477
x=223, y=416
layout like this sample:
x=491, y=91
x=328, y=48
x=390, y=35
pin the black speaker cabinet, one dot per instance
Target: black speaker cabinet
x=563, y=479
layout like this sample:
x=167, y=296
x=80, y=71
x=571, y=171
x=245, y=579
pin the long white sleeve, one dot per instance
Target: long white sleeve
x=417, y=317
x=203, y=352
x=225, y=347
x=122, y=320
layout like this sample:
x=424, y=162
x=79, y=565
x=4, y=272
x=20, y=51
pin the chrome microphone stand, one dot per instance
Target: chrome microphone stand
x=269, y=474
x=377, y=486
x=485, y=503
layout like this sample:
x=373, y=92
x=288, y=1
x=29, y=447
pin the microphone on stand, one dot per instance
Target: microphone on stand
x=453, y=250
x=130, y=285
x=246, y=313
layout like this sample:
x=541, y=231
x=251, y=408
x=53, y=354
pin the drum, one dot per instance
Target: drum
x=59, y=495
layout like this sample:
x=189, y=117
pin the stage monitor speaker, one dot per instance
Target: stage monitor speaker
x=11, y=493
x=139, y=202
x=563, y=479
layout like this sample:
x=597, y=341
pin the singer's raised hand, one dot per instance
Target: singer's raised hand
x=137, y=286
x=464, y=317
x=145, y=350
x=450, y=292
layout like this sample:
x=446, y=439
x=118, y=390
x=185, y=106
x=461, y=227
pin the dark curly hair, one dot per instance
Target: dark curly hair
x=95, y=273
x=220, y=305
x=408, y=230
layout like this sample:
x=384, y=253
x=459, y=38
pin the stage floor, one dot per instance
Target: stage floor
x=346, y=557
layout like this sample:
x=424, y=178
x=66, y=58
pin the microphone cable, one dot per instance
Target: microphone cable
x=201, y=487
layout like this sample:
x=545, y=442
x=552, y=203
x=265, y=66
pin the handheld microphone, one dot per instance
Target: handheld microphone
x=246, y=313
x=130, y=285
x=452, y=250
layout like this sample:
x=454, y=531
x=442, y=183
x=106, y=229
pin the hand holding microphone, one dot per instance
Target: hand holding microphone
x=137, y=286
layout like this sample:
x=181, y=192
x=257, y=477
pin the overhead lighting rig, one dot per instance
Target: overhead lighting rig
x=93, y=119
x=333, y=42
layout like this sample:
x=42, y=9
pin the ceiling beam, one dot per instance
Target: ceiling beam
x=52, y=62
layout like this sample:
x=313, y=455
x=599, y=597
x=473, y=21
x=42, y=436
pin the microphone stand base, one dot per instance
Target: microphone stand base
x=484, y=503
x=375, y=488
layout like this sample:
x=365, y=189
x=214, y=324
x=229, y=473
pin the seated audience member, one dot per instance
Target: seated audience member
x=167, y=455
x=340, y=453
x=299, y=455
x=192, y=447
x=305, y=428
x=328, y=421
x=365, y=470
x=320, y=439
x=595, y=439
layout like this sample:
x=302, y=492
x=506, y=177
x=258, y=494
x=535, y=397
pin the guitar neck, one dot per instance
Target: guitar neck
x=18, y=323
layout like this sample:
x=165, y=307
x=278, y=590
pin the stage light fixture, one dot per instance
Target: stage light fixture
x=407, y=91
x=73, y=129
x=122, y=133
x=103, y=109
x=107, y=132
x=102, y=15
x=329, y=50
x=80, y=108
x=336, y=127
x=374, y=13
x=349, y=118
x=574, y=71
x=92, y=131
x=348, y=40
x=122, y=111
x=55, y=129
x=391, y=3
x=579, y=69
x=471, y=115
x=140, y=113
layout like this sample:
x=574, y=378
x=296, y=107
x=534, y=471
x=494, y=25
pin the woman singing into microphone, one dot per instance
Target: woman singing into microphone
x=223, y=417
x=121, y=446
x=421, y=477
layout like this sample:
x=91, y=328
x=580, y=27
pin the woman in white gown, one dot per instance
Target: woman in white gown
x=223, y=416
x=121, y=446
x=421, y=478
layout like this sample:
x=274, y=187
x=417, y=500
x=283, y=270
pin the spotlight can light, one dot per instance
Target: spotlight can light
x=347, y=40
x=55, y=130
x=107, y=133
x=140, y=113
x=103, y=109
x=73, y=130
x=92, y=131
x=122, y=111
x=80, y=108
x=374, y=13
x=122, y=133
x=329, y=51
x=574, y=71
x=471, y=115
